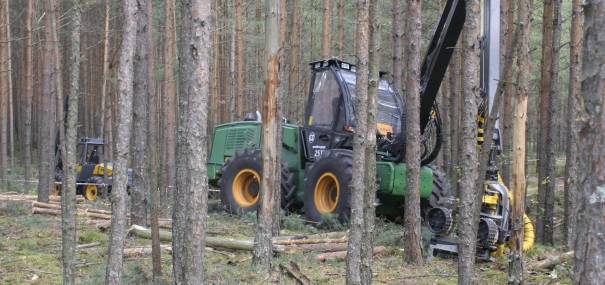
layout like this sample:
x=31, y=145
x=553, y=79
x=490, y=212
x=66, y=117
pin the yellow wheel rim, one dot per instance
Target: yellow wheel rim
x=56, y=190
x=243, y=188
x=327, y=192
x=90, y=192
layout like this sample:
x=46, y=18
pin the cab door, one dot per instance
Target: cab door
x=324, y=112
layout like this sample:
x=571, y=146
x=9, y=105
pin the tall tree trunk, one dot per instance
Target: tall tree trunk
x=518, y=143
x=543, y=179
x=68, y=195
x=198, y=26
x=397, y=34
x=589, y=267
x=152, y=149
x=105, y=126
x=573, y=99
x=341, y=28
x=169, y=104
x=370, y=186
x=507, y=16
x=240, y=62
x=140, y=116
x=325, y=35
x=296, y=97
x=412, y=235
x=551, y=140
x=356, y=222
x=271, y=150
x=9, y=71
x=4, y=93
x=29, y=91
x=468, y=213
x=124, y=126
x=283, y=30
x=50, y=90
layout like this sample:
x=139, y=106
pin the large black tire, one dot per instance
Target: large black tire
x=248, y=164
x=327, y=186
x=442, y=195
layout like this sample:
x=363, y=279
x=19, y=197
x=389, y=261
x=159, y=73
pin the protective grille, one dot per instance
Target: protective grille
x=238, y=139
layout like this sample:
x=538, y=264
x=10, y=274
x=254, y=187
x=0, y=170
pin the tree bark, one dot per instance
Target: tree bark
x=468, y=213
x=170, y=101
x=271, y=144
x=507, y=16
x=341, y=28
x=397, y=34
x=356, y=222
x=325, y=35
x=367, y=238
x=412, y=220
x=551, y=140
x=589, y=267
x=4, y=94
x=240, y=62
x=515, y=273
x=113, y=272
x=573, y=99
x=29, y=92
x=106, y=117
x=296, y=97
x=198, y=25
x=138, y=207
x=152, y=151
x=545, y=83
x=68, y=193
x=47, y=141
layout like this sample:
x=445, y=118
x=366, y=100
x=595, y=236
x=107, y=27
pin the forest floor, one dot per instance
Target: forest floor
x=31, y=244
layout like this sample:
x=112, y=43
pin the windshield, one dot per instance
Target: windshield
x=389, y=113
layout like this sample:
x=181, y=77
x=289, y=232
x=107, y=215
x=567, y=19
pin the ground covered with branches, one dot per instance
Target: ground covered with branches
x=31, y=247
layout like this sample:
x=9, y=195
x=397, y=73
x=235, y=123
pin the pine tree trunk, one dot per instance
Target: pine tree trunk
x=240, y=62
x=140, y=116
x=169, y=104
x=341, y=28
x=545, y=83
x=325, y=35
x=412, y=235
x=4, y=94
x=29, y=92
x=573, y=99
x=518, y=172
x=468, y=213
x=589, y=267
x=152, y=150
x=68, y=193
x=49, y=88
x=397, y=34
x=356, y=222
x=296, y=98
x=271, y=154
x=507, y=16
x=198, y=25
x=369, y=215
x=124, y=126
x=551, y=140
x=9, y=71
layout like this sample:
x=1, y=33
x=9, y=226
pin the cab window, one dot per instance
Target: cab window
x=326, y=99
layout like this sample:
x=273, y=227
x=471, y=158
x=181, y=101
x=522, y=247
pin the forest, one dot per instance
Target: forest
x=302, y=142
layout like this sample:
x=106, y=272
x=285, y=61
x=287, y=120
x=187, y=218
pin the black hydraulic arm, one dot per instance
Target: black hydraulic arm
x=438, y=56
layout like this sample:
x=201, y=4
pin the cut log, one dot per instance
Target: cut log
x=294, y=271
x=46, y=205
x=144, y=251
x=551, y=261
x=79, y=199
x=340, y=255
x=330, y=235
x=87, y=245
x=98, y=211
x=228, y=243
x=46, y=211
x=97, y=216
x=309, y=241
x=318, y=247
